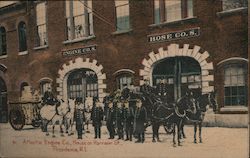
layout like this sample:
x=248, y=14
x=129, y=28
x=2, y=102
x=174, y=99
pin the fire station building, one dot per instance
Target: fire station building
x=92, y=48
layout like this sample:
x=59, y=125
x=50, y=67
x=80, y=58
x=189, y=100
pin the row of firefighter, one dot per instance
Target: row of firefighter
x=120, y=119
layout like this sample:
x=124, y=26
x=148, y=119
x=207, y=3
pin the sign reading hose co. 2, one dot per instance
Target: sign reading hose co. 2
x=80, y=51
x=168, y=36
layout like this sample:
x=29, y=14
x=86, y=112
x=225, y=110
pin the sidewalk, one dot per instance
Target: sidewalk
x=217, y=143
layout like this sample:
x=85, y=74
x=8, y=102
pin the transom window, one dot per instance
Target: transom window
x=172, y=10
x=3, y=43
x=124, y=80
x=235, y=85
x=233, y=4
x=122, y=15
x=79, y=19
x=22, y=37
x=41, y=25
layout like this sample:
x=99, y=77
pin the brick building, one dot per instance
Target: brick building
x=91, y=48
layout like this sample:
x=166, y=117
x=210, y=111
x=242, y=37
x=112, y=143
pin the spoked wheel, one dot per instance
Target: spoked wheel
x=17, y=119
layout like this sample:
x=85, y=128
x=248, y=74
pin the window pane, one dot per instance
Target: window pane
x=234, y=101
x=241, y=101
x=227, y=100
x=227, y=71
x=190, y=8
x=122, y=15
x=184, y=79
x=170, y=80
x=241, y=80
x=234, y=90
x=227, y=91
x=233, y=4
x=173, y=10
x=227, y=80
x=241, y=90
x=3, y=44
x=157, y=11
x=22, y=37
x=234, y=70
x=40, y=13
x=234, y=80
x=190, y=78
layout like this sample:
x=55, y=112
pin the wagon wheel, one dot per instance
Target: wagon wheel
x=17, y=119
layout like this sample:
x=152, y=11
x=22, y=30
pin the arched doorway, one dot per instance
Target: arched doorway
x=82, y=83
x=180, y=74
x=3, y=102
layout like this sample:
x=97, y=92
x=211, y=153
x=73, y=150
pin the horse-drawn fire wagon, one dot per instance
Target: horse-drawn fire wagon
x=24, y=113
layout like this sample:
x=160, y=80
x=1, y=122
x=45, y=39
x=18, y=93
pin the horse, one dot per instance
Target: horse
x=69, y=117
x=171, y=116
x=87, y=109
x=48, y=114
x=201, y=102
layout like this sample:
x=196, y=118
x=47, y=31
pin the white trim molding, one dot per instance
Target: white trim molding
x=123, y=71
x=233, y=59
x=79, y=63
x=173, y=51
x=45, y=79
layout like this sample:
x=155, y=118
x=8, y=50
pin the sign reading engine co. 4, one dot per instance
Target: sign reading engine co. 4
x=168, y=36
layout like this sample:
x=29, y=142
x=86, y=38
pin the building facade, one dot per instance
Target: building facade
x=92, y=48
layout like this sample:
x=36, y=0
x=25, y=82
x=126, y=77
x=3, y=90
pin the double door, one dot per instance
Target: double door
x=180, y=74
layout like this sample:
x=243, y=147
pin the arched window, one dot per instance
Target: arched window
x=22, y=37
x=235, y=88
x=3, y=44
x=22, y=87
x=123, y=80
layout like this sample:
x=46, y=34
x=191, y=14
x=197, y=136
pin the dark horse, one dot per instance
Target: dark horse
x=201, y=103
x=172, y=116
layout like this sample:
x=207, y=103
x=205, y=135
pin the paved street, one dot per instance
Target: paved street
x=217, y=143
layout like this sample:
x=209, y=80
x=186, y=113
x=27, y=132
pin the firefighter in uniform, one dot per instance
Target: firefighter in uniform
x=49, y=99
x=140, y=121
x=97, y=117
x=110, y=120
x=79, y=117
x=128, y=118
x=119, y=119
x=161, y=90
x=145, y=88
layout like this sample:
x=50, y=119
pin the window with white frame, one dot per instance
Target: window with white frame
x=122, y=15
x=235, y=88
x=41, y=24
x=172, y=10
x=22, y=36
x=233, y=4
x=3, y=44
x=6, y=3
x=124, y=80
x=79, y=19
x=44, y=85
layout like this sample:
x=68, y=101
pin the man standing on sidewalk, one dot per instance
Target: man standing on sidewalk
x=97, y=117
x=128, y=118
x=140, y=121
x=110, y=120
